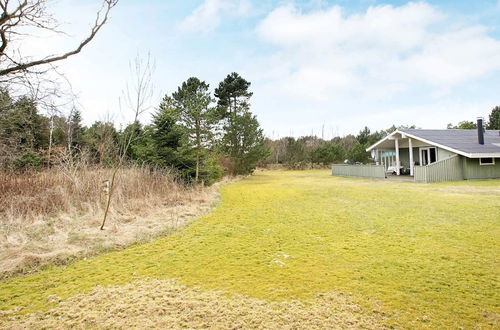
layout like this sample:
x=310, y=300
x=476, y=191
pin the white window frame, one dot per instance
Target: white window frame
x=492, y=161
x=428, y=151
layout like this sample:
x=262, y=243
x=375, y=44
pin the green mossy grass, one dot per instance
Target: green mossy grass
x=428, y=254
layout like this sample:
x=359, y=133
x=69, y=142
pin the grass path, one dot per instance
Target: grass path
x=426, y=254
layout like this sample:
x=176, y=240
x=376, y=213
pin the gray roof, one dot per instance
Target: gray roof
x=464, y=140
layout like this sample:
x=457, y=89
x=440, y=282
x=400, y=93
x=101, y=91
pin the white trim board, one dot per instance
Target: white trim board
x=388, y=137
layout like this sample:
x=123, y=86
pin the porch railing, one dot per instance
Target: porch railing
x=449, y=169
x=363, y=171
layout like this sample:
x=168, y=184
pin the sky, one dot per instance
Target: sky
x=316, y=67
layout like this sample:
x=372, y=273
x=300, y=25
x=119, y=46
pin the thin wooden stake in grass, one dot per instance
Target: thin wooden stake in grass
x=110, y=194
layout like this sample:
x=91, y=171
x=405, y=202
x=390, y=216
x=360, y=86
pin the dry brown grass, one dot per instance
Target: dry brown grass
x=54, y=215
x=164, y=304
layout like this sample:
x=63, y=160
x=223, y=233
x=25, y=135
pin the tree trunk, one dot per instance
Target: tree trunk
x=70, y=133
x=197, y=166
x=198, y=149
x=51, y=133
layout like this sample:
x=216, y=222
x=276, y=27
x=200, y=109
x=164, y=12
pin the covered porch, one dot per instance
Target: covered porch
x=399, y=154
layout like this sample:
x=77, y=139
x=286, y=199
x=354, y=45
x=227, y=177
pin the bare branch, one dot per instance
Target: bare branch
x=139, y=92
x=33, y=13
x=136, y=100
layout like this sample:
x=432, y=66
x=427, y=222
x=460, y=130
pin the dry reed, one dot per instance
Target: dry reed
x=54, y=215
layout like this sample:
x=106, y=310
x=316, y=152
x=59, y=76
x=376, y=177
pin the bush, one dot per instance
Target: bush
x=211, y=171
x=328, y=153
x=358, y=154
x=28, y=161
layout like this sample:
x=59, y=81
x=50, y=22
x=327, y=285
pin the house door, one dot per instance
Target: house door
x=428, y=156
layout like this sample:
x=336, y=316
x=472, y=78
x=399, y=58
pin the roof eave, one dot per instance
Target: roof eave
x=485, y=155
x=370, y=148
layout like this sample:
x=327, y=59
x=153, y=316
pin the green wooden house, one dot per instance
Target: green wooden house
x=430, y=155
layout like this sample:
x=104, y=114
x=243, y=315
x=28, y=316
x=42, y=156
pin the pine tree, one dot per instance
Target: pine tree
x=192, y=102
x=243, y=139
x=232, y=96
x=167, y=142
x=246, y=148
x=26, y=125
x=357, y=153
x=75, y=130
x=133, y=136
x=328, y=153
x=101, y=140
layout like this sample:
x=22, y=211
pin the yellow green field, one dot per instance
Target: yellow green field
x=409, y=255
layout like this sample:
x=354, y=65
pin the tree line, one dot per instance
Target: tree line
x=196, y=134
x=310, y=151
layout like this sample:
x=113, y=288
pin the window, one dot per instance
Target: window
x=487, y=161
x=432, y=152
x=428, y=155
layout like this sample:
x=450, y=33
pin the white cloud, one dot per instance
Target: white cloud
x=288, y=26
x=377, y=53
x=207, y=16
x=455, y=57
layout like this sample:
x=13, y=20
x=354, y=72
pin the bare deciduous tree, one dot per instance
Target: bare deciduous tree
x=138, y=93
x=16, y=16
x=136, y=98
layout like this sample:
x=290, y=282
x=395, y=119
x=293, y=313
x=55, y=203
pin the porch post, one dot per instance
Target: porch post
x=396, y=142
x=410, y=145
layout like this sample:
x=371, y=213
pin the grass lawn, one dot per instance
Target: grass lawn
x=423, y=255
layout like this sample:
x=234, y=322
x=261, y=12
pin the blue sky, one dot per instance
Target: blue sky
x=337, y=64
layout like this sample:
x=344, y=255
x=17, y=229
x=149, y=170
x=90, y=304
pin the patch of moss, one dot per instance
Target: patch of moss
x=427, y=253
